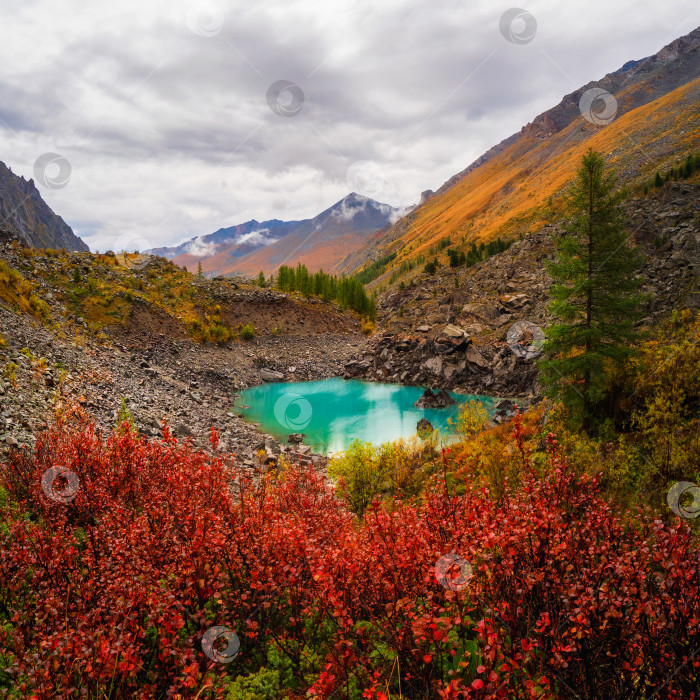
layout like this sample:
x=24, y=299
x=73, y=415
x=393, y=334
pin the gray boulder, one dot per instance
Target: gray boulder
x=439, y=399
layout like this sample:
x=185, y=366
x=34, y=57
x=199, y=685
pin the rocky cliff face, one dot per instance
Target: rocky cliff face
x=462, y=328
x=26, y=216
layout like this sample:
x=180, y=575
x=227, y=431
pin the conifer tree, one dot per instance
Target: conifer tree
x=593, y=294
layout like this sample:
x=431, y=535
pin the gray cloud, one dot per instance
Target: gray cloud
x=169, y=133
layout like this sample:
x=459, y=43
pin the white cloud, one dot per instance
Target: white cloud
x=394, y=214
x=199, y=248
x=169, y=133
x=345, y=211
x=261, y=237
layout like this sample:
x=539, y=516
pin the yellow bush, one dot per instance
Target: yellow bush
x=19, y=292
x=661, y=442
x=10, y=372
x=368, y=327
x=668, y=420
x=491, y=454
x=364, y=471
x=471, y=419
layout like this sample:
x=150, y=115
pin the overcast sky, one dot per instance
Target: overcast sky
x=164, y=114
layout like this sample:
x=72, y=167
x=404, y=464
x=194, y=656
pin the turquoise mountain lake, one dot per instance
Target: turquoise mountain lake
x=332, y=413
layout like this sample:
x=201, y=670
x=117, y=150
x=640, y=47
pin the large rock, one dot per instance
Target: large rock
x=453, y=331
x=488, y=311
x=183, y=431
x=439, y=399
x=515, y=301
x=474, y=357
x=434, y=365
x=270, y=375
x=355, y=368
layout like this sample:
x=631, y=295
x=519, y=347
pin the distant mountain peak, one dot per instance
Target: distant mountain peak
x=354, y=204
x=355, y=197
x=322, y=241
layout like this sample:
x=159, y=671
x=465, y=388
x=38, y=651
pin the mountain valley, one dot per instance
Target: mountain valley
x=538, y=539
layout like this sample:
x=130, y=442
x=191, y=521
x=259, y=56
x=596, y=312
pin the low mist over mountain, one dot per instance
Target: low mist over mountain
x=23, y=213
x=321, y=242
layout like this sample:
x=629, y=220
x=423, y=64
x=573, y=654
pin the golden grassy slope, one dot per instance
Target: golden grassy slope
x=134, y=296
x=520, y=189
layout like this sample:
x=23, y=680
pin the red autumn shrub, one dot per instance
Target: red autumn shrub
x=567, y=597
x=110, y=593
x=548, y=592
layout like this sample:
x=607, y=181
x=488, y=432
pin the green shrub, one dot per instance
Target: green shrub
x=124, y=415
x=248, y=331
x=263, y=685
x=10, y=372
x=219, y=333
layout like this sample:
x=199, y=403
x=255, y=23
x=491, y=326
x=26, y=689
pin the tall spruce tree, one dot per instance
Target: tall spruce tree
x=594, y=295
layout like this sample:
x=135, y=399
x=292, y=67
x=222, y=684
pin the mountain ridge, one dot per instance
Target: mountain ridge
x=25, y=215
x=253, y=246
x=562, y=114
x=515, y=186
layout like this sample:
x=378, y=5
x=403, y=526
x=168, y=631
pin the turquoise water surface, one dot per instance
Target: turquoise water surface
x=334, y=412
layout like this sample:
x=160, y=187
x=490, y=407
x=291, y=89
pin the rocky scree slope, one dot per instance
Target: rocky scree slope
x=149, y=361
x=450, y=329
